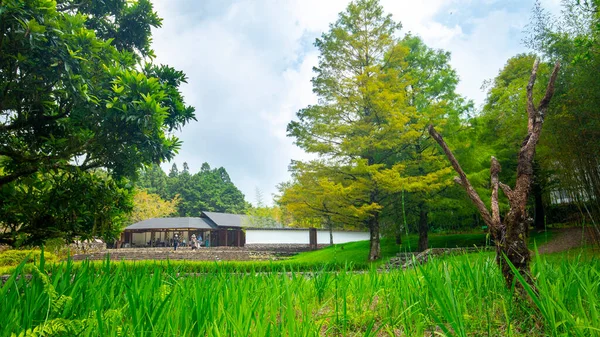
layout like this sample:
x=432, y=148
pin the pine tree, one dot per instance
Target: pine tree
x=377, y=94
x=362, y=117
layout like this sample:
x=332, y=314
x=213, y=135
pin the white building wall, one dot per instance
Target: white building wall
x=300, y=236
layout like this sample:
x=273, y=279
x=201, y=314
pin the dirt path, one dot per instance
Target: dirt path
x=566, y=239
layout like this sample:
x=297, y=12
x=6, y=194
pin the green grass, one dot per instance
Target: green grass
x=454, y=296
x=356, y=253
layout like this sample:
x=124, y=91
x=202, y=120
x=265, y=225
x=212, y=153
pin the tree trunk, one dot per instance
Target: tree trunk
x=513, y=245
x=330, y=233
x=402, y=226
x=374, y=250
x=423, y=228
x=511, y=234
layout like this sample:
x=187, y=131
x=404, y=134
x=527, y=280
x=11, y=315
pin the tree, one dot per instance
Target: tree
x=74, y=98
x=149, y=205
x=362, y=116
x=511, y=233
x=501, y=125
x=261, y=215
x=41, y=207
x=217, y=191
x=431, y=93
x=572, y=134
x=377, y=94
x=208, y=190
x=314, y=199
x=154, y=180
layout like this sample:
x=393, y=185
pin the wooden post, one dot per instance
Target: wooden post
x=312, y=238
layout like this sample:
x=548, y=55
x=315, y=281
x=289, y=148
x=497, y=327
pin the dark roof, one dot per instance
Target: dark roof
x=228, y=220
x=171, y=223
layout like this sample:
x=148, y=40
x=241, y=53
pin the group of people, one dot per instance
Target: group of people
x=195, y=242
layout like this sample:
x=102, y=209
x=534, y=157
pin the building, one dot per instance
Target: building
x=215, y=229
x=229, y=230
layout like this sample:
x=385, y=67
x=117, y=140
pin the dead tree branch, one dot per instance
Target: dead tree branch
x=464, y=181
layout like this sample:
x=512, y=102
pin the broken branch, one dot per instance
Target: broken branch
x=464, y=181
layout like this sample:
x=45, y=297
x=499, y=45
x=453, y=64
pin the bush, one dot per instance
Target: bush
x=14, y=257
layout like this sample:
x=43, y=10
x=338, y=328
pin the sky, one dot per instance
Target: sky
x=249, y=65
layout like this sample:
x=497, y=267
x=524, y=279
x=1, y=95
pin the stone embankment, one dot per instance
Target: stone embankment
x=248, y=253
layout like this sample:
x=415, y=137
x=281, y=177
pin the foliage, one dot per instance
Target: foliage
x=148, y=205
x=14, y=257
x=75, y=98
x=63, y=205
x=377, y=93
x=263, y=216
x=467, y=294
x=499, y=129
x=571, y=140
x=208, y=190
x=363, y=120
x=315, y=200
x=431, y=92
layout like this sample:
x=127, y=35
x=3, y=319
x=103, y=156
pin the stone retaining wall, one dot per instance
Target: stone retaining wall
x=249, y=252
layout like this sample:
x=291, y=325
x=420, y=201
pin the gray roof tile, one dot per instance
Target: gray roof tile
x=171, y=223
x=228, y=220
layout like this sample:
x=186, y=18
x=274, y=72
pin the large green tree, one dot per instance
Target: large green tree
x=78, y=93
x=358, y=117
x=365, y=118
x=431, y=93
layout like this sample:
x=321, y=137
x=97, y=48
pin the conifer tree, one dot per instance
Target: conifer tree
x=364, y=120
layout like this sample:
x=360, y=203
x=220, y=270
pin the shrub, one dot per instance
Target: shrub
x=14, y=257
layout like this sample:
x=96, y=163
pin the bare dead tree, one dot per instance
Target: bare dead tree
x=510, y=234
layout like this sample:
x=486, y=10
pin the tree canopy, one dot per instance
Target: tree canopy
x=377, y=93
x=79, y=94
x=207, y=190
x=150, y=205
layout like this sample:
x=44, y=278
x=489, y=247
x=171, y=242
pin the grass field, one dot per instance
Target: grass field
x=456, y=296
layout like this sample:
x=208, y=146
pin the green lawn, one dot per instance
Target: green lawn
x=357, y=252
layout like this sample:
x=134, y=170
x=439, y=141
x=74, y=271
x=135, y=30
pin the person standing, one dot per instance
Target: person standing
x=193, y=242
x=175, y=241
